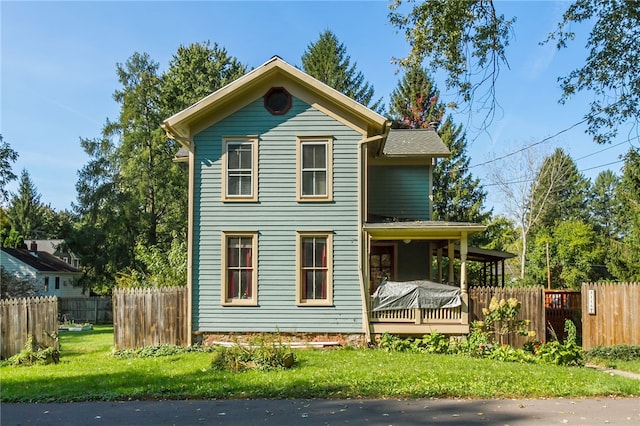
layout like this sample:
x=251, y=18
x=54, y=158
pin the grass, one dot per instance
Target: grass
x=87, y=371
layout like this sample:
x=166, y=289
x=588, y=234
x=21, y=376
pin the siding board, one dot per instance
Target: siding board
x=276, y=216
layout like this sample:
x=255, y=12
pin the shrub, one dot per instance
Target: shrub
x=500, y=320
x=159, y=351
x=562, y=353
x=430, y=343
x=34, y=354
x=263, y=353
x=614, y=353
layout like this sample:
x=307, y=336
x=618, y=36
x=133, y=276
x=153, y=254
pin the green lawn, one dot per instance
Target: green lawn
x=88, y=371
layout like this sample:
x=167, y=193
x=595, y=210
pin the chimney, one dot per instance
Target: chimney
x=34, y=247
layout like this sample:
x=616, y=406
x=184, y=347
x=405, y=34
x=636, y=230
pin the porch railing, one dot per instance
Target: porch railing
x=422, y=316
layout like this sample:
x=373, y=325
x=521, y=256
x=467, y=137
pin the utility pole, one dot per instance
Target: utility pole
x=548, y=269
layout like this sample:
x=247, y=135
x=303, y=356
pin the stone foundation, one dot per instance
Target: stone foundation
x=292, y=339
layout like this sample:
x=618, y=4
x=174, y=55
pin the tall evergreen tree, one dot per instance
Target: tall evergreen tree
x=561, y=189
x=625, y=260
x=327, y=60
x=131, y=192
x=196, y=71
x=605, y=209
x=25, y=210
x=457, y=195
x=7, y=156
x=414, y=102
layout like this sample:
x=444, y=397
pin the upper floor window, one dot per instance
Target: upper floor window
x=57, y=283
x=240, y=269
x=46, y=283
x=240, y=171
x=314, y=159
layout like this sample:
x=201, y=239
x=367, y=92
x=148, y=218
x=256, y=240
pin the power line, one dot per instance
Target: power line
x=530, y=145
x=607, y=148
x=533, y=179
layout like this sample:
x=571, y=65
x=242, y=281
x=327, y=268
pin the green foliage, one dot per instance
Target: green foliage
x=624, y=259
x=159, y=351
x=130, y=193
x=157, y=268
x=500, y=320
x=573, y=254
x=262, y=353
x=7, y=156
x=560, y=190
x=466, y=39
x=414, y=102
x=341, y=373
x=507, y=353
x=614, y=353
x=327, y=60
x=562, y=353
x=611, y=72
x=457, y=195
x=435, y=343
x=25, y=210
x=34, y=354
x=196, y=71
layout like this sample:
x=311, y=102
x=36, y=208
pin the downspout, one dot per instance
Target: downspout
x=363, y=241
x=187, y=143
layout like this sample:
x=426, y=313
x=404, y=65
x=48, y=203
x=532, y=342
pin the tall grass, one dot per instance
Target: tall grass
x=88, y=371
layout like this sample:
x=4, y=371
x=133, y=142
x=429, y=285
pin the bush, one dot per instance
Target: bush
x=34, y=354
x=436, y=343
x=614, y=353
x=263, y=353
x=158, y=351
x=562, y=353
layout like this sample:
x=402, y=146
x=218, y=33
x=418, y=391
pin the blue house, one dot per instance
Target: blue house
x=301, y=201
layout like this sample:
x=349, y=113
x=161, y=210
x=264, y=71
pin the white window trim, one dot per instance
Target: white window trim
x=253, y=141
x=225, y=300
x=314, y=302
x=328, y=141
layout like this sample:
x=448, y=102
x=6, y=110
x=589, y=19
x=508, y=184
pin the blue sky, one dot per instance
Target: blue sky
x=58, y=73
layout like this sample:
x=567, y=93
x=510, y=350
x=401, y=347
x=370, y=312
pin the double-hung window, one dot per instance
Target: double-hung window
x=240, y=268
x=240, y=169
x=315, y=269
x=314, y=159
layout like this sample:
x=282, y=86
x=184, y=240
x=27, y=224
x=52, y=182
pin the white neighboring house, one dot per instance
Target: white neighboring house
x=54, y=247
x=53, y=276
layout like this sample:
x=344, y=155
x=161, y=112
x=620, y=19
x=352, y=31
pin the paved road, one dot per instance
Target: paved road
x=590, y=411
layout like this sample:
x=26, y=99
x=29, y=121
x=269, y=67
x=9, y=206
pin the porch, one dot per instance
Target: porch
x=416, y=250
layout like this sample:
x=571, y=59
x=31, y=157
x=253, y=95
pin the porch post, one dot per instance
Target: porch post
x=439, y=252
x=451, y=255
x=463, y=263
x=430, y=261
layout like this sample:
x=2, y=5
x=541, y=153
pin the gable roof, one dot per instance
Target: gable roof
x=401, y=142
x=255, y=84
x=41, y=261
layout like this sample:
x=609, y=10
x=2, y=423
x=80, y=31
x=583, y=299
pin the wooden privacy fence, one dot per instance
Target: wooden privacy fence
x=532, y=307
x=610, y=314
x=37, y=316
x=96, y=310
x=149, y=317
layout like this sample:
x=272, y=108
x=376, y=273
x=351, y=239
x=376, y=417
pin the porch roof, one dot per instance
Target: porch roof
x=421, y=230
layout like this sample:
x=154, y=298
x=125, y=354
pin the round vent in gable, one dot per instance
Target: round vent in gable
x=277, y=101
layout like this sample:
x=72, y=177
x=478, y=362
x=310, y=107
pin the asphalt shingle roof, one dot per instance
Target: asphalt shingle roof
x=42, y=261
x=415, y=142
